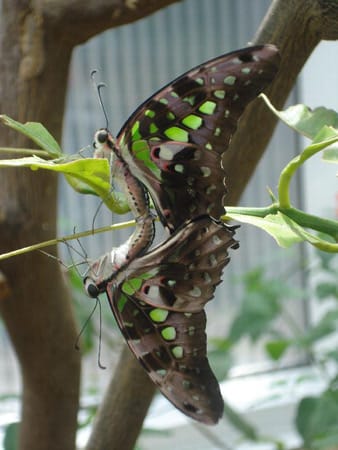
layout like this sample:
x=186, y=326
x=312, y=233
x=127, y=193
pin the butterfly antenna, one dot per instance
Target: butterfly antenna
x=98, y=87
x=56, y=258
x=82, y=254
x=77, y=346
x=95, y=215
x=100, y=339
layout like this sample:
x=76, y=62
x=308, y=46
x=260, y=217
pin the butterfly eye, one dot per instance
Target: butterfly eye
x=91, y=288
x=101, y=136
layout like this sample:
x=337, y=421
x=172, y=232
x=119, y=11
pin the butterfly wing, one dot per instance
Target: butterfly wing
x=171, y=347
x=173, y=143
x=158, y=301
x=182, y=273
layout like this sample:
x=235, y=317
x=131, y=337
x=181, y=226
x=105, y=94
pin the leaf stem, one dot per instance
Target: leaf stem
x=55, y=241
x=303, y=219
x=316, y=223
x=25, y=151
x=290, y=169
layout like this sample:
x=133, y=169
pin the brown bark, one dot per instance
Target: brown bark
x=296, y=27
x=36, y=41
x=124, y=407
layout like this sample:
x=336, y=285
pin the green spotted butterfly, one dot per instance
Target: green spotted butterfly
x=171, y=147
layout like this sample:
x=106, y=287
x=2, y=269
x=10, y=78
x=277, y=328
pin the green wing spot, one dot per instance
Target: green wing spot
x=135, y=131
x=191, y=330
x=217, y=131
x=192, y=121
x=140, y=146
x=200, y=81
x=171, y=116
x=153, y=128
x=161, y=372
x=191, y=99
x=208, y=146
x=149, y=113
x=174, y=94
x=168, y=333
x=177, y=352
x=226, y=113
x=177, y=134
x=131, y=286
x=230, y=80
x=219, y=94
x=164, y=101
x=121, y=302
x=207, y=107
x=158, y=315
x=246, y=70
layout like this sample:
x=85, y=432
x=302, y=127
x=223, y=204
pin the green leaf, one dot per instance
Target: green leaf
x=11, y=440
x=317, y=417
x=328, y=440
x=304, y=120
x=277, y=348
x=324, y=290
x=331, y=155
x=37, y=133
x=273, y=224
x=326, y=326
x=92, y=175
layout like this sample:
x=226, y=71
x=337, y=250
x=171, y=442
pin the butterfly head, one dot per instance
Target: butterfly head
x=104, y=144
x=105, y=269
x=91, y=288
x=97, y=276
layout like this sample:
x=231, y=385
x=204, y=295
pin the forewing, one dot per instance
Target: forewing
x=200, y=110
x=171, y=347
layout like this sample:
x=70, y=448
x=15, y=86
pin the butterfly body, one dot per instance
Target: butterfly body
x=138, y=201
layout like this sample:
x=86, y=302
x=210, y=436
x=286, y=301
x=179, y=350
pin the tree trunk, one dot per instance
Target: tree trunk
x=296, y=27
x=36, y=42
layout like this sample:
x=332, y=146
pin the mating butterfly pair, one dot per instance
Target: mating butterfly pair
x=171, y=148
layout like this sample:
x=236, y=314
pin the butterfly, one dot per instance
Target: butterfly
x=158, y=302
x=173, y=143
x=171, y=147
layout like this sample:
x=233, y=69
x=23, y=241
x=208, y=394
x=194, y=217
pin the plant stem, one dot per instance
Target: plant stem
x=326, y=226
x=290, y=169
x=303, y=219
x=55, y=241
x=25, y=151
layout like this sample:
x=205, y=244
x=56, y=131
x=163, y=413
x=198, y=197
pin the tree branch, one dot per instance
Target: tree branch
x=125, y=405
x=78, y=23
x=296, y=27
